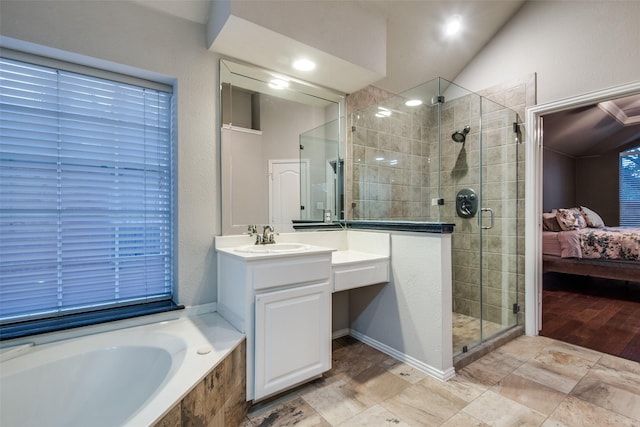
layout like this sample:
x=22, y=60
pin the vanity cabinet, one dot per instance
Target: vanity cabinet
x=283, y=305
x=292, y=336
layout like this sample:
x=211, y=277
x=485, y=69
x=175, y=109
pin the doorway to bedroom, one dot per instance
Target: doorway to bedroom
x=582, y=298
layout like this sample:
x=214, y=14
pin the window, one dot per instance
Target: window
x=630, y=188
x=86, y=193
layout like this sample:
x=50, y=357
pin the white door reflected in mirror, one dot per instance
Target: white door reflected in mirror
x=287, y=192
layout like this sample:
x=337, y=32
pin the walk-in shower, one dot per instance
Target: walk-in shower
x=405, y=167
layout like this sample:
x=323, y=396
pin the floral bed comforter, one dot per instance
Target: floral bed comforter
x=601, y=243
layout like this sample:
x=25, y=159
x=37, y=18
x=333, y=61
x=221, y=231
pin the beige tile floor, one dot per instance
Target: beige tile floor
x=531, y=381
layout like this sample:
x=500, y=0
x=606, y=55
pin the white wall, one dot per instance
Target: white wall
x=574, y=47
x=245, y=197
x=282, y=123
x=125, y=33
x=411, y=316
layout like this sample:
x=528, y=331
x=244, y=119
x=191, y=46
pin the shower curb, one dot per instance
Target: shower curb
x=464, y=359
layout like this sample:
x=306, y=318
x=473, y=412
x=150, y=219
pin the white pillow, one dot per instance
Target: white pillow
x=592, y=218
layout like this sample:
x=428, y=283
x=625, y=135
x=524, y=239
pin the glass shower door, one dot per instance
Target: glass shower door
x=497, y=218
x=321, y=177
x=479, y=155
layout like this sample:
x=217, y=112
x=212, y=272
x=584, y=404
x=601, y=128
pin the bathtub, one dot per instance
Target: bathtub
x=127, y=377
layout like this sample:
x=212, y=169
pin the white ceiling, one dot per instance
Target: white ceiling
x=416, y=49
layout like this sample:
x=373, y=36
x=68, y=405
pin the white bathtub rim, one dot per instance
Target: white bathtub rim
x=207, y=330
x=38, y=355
x=223, y=339
x=17, y=345
x=58, y=374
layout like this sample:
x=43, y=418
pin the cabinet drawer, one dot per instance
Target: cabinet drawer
x=360, y=274
x=290, y=271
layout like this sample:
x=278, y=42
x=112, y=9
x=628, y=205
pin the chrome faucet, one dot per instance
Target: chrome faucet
x=267, y=237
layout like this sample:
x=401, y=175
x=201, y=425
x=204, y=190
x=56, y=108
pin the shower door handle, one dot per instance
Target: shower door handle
x=493, y=218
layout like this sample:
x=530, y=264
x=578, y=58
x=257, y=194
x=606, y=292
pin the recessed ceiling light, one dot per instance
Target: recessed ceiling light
x=453, y=25
x=304, y=64
x=278, y=84
x=413, y=103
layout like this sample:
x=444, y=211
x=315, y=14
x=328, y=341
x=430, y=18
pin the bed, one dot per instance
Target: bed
x=586, y=247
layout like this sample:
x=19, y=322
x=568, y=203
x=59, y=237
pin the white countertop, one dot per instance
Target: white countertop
x=347, y=247
x=309, y=250
x=354, y=257
x=337, y=257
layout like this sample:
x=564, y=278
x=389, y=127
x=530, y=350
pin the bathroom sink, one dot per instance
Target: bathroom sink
x=274, y=248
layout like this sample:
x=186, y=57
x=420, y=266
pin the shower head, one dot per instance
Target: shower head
x=460, y=136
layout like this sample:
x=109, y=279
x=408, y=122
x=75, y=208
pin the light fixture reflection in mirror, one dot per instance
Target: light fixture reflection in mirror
x=281, y=156
x=278, y=84
x=304, y=64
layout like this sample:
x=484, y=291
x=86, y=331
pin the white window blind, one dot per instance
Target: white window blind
x=85, y=193
x=630, y=188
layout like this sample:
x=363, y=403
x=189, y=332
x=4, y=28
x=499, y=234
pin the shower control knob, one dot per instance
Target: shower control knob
x=466, y=203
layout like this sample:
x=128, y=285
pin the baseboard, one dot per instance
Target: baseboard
x=411, y=361
x=340, y=333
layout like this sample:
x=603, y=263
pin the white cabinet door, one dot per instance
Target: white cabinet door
x=292, y=337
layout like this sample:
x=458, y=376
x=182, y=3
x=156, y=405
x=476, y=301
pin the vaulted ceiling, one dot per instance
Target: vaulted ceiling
x=417, y=51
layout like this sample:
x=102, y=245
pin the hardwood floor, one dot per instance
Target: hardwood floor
x=599, y=314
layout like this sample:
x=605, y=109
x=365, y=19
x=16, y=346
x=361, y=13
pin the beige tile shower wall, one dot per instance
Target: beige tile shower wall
x=362, y=99
x=389, y=159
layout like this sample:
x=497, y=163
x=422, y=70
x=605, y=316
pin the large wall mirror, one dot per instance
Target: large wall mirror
x=280, y=149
